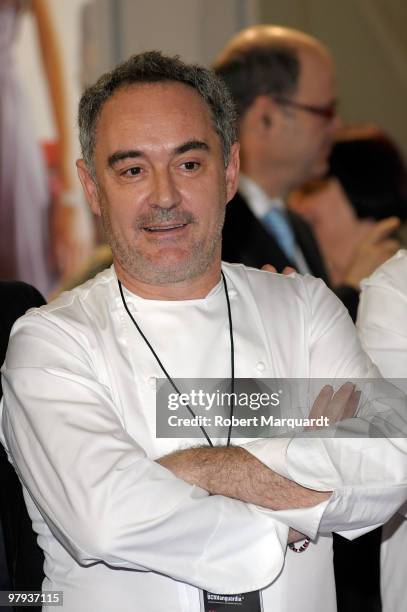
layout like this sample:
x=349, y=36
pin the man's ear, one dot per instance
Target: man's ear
x=89, y=187
x=232, y=171
x=264, y=111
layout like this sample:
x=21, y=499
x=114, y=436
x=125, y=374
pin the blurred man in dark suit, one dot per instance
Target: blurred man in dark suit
x=283, y=85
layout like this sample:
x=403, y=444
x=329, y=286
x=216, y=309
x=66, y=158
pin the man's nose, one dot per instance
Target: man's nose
x=164, y=191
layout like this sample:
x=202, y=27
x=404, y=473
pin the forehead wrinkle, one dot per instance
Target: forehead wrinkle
x=118, y=116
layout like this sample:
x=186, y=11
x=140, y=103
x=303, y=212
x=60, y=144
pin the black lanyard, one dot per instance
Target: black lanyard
x=170, y=380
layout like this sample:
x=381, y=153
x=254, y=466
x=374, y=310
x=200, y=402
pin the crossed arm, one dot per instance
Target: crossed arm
x=234, y=472
x=106, y=499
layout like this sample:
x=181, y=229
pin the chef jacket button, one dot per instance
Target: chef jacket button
x=260, y=366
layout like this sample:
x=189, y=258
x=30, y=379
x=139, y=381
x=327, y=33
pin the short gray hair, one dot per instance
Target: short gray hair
x=154, y=67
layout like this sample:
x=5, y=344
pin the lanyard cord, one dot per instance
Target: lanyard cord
x=171, y=381
x=232, y=358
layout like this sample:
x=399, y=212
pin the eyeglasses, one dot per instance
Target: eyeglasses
x=327, y=112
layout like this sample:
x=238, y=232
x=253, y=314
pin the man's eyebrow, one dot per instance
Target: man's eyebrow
x=191, y=145
x=120, y=155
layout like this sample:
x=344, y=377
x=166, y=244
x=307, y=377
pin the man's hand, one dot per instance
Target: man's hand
x=269, y=268
x=376, y=247
x=336, y=406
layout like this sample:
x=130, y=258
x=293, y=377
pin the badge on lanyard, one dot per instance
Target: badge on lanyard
x=241, y=602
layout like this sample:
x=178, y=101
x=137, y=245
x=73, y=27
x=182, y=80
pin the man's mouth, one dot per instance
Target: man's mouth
x=164, y=228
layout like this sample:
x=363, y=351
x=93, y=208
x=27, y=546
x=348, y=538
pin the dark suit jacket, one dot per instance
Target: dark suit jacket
x=24, y=558
x=245, y=240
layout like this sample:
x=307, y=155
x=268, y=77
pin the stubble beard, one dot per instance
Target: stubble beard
x=201, y=254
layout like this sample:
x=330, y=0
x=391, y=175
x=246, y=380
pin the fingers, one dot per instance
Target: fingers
x=352, y=405
x=373, y=251
x=383, y=252
x=389, y=246
x=321, y=403
x=382, y=229
x=336, y=406
x=342, y=403
x=269, y=268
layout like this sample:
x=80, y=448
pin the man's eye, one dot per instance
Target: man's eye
x=191, y=165
x=134, y=171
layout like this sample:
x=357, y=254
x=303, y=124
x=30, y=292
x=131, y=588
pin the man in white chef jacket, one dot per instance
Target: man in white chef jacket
x=125, y=519
x=382, y=329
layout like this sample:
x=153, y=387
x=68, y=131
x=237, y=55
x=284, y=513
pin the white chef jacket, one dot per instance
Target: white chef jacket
x=382, y=326
x=121, y=532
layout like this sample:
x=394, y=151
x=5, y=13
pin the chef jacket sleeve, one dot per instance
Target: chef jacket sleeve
x=100, y=495
x=363, y=460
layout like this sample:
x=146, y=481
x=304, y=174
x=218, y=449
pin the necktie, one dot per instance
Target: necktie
x=277, y=224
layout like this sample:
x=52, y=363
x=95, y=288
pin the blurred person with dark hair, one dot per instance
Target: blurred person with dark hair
x=371, y=169
x=361, y=197
x=283, y=84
